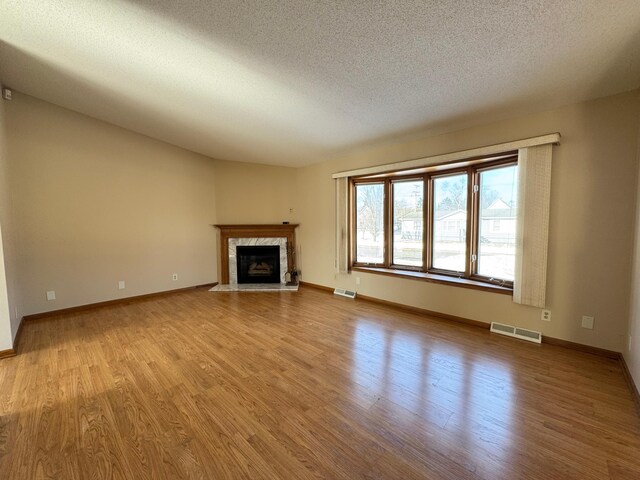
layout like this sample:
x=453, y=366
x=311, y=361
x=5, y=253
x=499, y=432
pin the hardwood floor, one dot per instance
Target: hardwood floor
x=303, y=385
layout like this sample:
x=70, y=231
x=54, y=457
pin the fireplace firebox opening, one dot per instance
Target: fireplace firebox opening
x=258, y=263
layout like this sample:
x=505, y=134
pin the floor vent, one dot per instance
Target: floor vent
x=521, y=333
x=344, y=293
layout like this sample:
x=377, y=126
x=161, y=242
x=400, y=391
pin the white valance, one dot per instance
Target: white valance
x=453, y=156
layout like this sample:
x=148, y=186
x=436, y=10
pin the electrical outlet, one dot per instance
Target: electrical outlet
x=174, y=276
x=357, y=280
x=15, y=310
x=587, y=322
x=121, y=285
x=51, y=295
x=546, y=315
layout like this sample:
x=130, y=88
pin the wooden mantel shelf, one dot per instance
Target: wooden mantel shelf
x=286, y=230
x=258, y=226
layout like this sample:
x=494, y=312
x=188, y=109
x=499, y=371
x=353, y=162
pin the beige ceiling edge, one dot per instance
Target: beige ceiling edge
x=453, y=156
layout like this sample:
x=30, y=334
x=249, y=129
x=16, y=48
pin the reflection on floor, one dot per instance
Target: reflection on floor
x=280, y=386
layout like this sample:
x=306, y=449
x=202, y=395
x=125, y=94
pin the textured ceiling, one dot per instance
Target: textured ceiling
x=294, y=82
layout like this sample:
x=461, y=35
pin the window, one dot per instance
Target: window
x=408, y=222
x=449, y=243
x=497, y=248
x=370, y=223
x=441, y=221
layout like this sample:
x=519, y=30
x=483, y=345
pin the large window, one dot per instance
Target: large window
x=497, y=224
x=370, y=223
x=445, y=221
x=449, y=222
x=408, y=222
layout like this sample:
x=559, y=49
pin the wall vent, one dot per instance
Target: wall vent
x=521, y=333
x=344, y=293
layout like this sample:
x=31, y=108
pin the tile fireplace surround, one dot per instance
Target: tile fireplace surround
x=251, y=241
x=232, y=236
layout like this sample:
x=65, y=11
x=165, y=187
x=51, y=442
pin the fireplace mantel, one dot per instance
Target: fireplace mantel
x=283, y=230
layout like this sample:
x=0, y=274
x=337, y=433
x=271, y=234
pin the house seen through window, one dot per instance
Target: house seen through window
x=457, y=221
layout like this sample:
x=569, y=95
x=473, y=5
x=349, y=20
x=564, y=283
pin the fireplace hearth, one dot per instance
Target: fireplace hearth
x=258, y=263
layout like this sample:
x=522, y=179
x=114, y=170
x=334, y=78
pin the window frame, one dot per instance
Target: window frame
x=431, y=233
x=472, y=168
x=353, y=229
x=399, y=179
x=475, y=275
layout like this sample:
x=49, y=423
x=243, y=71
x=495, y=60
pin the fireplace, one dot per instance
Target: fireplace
x=258, y=263
x=234, y=237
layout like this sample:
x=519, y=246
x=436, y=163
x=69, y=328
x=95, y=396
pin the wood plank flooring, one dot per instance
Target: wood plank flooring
x=204, y=385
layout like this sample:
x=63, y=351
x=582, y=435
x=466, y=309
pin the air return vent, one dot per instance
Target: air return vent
x=344, y=293
x=521, y=333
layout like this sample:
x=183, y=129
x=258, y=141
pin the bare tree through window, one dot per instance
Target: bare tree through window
x=370, y=222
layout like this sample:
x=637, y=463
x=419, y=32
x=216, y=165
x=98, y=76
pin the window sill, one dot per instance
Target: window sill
x=434, y=278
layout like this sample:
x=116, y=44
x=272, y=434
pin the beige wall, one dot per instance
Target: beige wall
x=253, y=193
x=632, y=350
x=96, y=204
x=591, y=225
x=8, y=292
